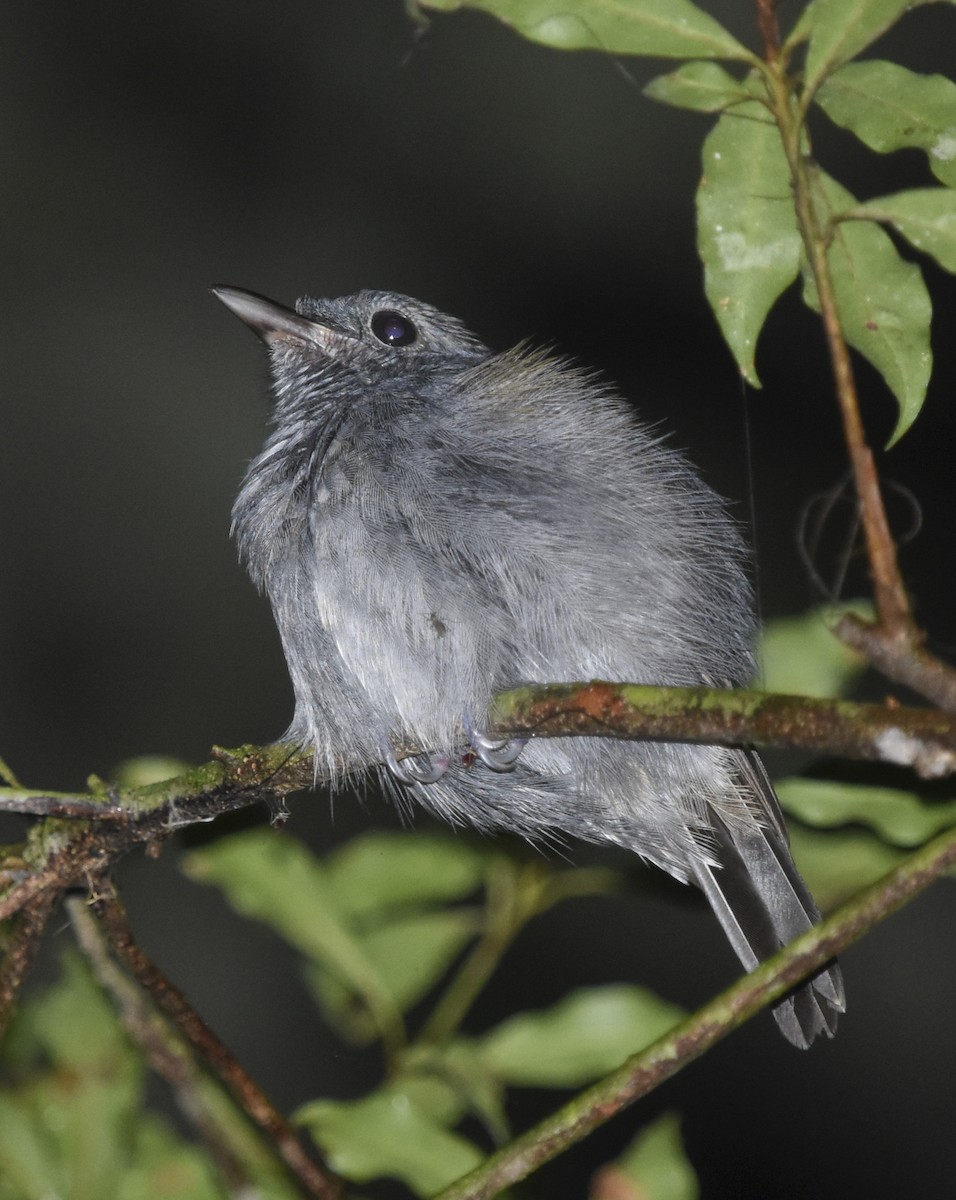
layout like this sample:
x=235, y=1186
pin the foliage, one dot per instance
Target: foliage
x=71, y=1108
x=749, y=234
x=379, y=924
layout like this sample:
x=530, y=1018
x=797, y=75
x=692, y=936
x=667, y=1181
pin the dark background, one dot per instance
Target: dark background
x=150, y=152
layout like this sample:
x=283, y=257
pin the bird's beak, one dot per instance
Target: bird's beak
x=274, y=322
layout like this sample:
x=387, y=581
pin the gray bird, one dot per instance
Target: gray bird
x=435, y=523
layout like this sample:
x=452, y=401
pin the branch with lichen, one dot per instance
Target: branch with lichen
x=692, y=1037
x=81, y=834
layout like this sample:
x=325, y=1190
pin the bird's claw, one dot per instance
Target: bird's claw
x=420, y=768
x=498, y=754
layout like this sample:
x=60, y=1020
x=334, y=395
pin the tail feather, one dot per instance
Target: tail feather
x=762, y=903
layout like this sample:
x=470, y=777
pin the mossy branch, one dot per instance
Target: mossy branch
x=691, y=1038
x=83, y=833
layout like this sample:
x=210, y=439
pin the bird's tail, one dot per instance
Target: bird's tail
x=763, y=903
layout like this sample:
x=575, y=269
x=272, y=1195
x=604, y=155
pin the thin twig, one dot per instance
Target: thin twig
x=60, y=856
x=7, y=774
x=60, y=860
x=22, y=941
x=894, y=642
x=166, y=1052
x=687, y=1041
x=36, y=803
x=892, y=602
x=901, y=660
x=316, y=1180
x=505, y=916
x=769, y=29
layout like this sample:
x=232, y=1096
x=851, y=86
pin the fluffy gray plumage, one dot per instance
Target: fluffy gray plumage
x=434, y=523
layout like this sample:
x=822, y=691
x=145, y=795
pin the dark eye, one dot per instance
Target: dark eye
x=393, y=329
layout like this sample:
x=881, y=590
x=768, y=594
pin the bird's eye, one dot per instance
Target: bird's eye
x=393, y=329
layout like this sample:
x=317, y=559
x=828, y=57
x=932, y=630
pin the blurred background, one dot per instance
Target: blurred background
x=150, y=152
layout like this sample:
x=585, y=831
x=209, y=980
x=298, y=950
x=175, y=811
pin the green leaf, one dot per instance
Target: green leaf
x=387, y=1134
x=882, y=301
x=800, y=656
x=74, y=1123
x=839, y=863
x=148, y=769
x=163, y=1168
x=663, y=28
x=66, y=1129
x=803, y=28
x=842, y=28
x=273, y=878
x=588, y=1033
x=926, y=217
x=746, y=229
x=430, y=1087
x=74, y=1025
x=654, y=1165
x=900, y=818
x=409, y=955
x=29, y=1164
x=380, y=872
x=700, y=86
x=890, y=108
x=412, y=954
x=469, y=1086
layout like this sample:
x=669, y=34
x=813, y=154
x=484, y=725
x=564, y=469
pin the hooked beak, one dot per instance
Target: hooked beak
x=275, y=323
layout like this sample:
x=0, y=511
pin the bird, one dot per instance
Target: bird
x=434, y=523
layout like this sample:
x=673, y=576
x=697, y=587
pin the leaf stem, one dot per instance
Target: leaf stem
x=512, y=900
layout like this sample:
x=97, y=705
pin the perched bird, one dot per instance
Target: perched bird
x=435, y=523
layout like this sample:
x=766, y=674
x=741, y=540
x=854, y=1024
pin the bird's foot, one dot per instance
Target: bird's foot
x=499, y=754
x=419, y=768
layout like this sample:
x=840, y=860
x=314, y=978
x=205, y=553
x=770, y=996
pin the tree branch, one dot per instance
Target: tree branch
x=164, y=1050
x=61, y=854
x=769, y=28
x=894, y=643
x=316, y=1180
x=922, y=739
x=903, y=659
x=20, y=947
x=688, y=1040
